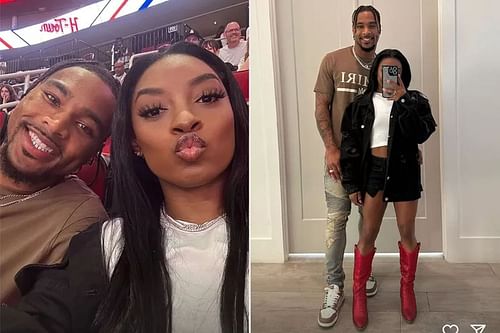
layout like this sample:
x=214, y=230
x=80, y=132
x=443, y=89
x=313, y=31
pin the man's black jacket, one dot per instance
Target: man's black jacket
x=60, y=298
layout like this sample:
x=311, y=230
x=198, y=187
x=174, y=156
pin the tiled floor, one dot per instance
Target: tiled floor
x=286, y=298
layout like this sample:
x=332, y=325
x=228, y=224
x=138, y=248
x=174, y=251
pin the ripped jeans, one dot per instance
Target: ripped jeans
x=339, y=208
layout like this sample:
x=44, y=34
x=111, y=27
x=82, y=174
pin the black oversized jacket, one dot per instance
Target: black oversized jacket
x=411, y=123
x=60, y=298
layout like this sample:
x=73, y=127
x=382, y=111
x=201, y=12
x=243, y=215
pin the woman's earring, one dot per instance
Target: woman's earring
x=138, y=153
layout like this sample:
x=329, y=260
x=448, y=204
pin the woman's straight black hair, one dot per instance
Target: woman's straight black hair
x=139, y=298
x=388, y=53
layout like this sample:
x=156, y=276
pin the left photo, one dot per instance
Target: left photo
x=124, y=166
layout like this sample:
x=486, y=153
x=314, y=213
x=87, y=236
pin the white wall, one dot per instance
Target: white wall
x=301, y=53
x=469, y=70
x=266, y=200
x=470, y=132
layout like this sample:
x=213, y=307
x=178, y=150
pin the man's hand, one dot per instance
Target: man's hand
x=420, y=157
x=356, y=198
x=332, y=159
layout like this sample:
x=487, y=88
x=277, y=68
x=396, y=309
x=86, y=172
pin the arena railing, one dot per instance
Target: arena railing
x=136, y=43
x=27, y=79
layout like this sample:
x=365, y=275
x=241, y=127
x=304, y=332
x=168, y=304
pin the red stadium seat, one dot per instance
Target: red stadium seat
x=3, y=124
x=106, y=149
x=94, y=175
x=242, y=77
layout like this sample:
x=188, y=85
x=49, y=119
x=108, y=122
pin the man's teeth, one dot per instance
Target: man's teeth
x=38, y=144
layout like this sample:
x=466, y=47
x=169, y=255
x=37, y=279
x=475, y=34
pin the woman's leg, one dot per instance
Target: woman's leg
x=408, y=256
x=406, y=211
x=373, y=211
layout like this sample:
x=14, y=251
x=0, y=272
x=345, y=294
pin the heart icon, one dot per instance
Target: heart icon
x=450, y=328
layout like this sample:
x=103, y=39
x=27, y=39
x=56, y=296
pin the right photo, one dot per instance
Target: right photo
x=373, y=166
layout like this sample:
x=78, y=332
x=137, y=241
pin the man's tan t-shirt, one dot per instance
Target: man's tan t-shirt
x=38, y=230
x=341, y=78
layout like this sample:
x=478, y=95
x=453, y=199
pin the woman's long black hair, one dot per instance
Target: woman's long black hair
x=139, y=296
x=388, y=53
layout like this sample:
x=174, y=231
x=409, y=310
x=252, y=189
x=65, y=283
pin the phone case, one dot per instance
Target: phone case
x=389, y=73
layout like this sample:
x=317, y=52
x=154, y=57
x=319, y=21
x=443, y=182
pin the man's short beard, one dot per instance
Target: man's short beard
x=9, y=169
x=368, y=49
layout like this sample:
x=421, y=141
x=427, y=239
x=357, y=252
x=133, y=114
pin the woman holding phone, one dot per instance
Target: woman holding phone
x=380, y=164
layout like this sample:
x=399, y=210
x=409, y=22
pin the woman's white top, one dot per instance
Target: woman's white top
x=195, y=256
x=380, y=129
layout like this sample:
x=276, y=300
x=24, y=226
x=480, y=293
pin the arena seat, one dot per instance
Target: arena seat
x=242, y=77
x=3, y=123
x=106, y=149
x=94, y=175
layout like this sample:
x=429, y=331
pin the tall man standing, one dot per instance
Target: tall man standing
x=342, y=76
x=57, y=126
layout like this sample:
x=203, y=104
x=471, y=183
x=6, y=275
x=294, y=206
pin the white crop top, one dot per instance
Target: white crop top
x=380, y=130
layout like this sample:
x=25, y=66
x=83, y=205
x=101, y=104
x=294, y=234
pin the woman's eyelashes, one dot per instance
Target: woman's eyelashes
x=207, y=97
x=211, y=96
x=151, y=111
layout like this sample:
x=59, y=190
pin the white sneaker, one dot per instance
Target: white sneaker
x=332, y=302
x=371, y=286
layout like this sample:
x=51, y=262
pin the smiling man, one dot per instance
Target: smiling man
x=235, y=48
x=343, y=74
x=59, y=125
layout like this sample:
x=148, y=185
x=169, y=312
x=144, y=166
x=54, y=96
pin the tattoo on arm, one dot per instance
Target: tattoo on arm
x=324, y=120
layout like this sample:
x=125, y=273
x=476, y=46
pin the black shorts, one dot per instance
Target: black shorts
x=376, y=175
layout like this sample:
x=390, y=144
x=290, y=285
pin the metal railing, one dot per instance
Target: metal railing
x=27, y=77
x=138, y=43
x=47, y=57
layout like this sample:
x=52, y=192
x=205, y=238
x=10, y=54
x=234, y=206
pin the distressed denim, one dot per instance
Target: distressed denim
x=339, y=208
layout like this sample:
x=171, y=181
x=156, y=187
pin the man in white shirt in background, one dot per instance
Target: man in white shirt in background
x=119, y=69
x=236, y=48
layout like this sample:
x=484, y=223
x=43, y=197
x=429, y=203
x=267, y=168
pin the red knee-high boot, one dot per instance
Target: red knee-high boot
x=408, y=266
x=362, y=269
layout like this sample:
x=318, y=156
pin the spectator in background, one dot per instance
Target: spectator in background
x=20, y=93
x=219, y=35
x=211, y=45
x=119, y=69
x=193, y=38
x=7, y=95
x=235, y=49
x=121, y=52
x=245, y=61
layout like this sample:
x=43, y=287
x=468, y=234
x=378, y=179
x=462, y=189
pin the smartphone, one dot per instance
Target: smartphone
x=389, y=73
